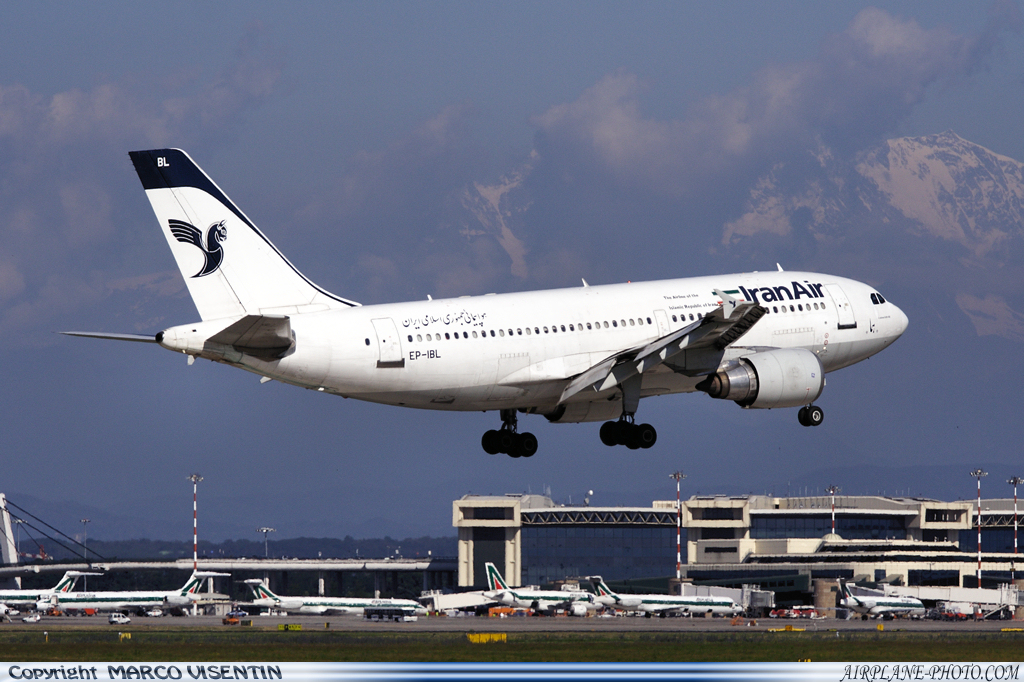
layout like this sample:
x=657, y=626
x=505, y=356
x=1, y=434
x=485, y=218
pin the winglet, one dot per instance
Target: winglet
x=729, y=303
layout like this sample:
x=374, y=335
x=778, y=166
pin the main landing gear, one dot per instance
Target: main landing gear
x=810, y=415
x=626, y=432
x=508, y=440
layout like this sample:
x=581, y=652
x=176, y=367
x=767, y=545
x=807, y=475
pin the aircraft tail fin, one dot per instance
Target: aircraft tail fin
x=601, y=588
x=68, y=580
x=260, y=589
x=195, y=581
x=844, y=591
x=494, y=579
x=230, y=267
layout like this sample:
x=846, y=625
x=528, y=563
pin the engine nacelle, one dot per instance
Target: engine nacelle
x=787, y=377
x=578, y=610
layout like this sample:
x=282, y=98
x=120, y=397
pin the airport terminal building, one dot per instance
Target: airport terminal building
x=777, y=542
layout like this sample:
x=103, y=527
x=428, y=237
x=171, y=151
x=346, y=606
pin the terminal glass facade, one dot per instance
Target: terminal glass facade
x=553, y=552
x=849, y=527
x=992, y=540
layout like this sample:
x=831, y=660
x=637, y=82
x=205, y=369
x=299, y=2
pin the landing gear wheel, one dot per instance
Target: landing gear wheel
x=646, y=436
x=491, y=442
x=610, y=433
x=810, y=415
x=815, y=415
x=508, y=440
x=526, y=445
x=633, y=436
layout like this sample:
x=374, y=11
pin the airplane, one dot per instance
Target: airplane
x=584, y=354
x=544, y=602
x=262, y=596
x=139, y=600
x=11, y=600
x=880, y=605
x=663, y=604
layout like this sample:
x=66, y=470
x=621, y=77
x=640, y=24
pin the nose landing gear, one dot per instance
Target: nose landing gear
x=508, y=440
x=810, y=415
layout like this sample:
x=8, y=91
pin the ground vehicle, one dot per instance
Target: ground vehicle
x=118, y=619
x=396, y=614
x=31, y=618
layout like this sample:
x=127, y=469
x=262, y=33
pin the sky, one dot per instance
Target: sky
x=627, y=141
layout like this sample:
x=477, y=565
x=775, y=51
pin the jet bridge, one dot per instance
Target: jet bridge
x=989, y=601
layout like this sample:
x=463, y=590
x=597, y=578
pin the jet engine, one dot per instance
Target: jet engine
x=578, y=609
x=785, y=377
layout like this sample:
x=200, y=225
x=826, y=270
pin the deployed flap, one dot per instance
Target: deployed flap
x=265, y=336
x=717, y=329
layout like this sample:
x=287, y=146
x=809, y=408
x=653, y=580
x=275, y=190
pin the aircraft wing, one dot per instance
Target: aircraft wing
x=717, y=329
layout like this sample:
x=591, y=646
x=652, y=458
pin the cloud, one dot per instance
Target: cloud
x=64, y=163
x=863, y=81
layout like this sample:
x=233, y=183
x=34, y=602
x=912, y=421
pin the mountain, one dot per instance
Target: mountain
x=937, y=213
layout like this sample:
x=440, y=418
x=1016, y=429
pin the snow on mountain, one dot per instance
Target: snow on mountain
x=938, y=185
x=937, y=209
x=952, y=188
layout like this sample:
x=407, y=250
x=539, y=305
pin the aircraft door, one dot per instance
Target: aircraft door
x=662, y=317
x=847, y=320
x=388, y=343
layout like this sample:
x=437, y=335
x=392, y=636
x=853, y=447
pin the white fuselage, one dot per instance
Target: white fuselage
x=519, y=350
x=334, y=605
x=661, y=603
x=885, y=606
x=544, y=600
x=119, y=601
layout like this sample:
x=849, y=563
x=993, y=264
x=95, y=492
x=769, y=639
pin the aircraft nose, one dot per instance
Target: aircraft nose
x=901, y=321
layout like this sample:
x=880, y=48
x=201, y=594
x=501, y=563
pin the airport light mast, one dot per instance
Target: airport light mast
x=85, y=551
x=979, y=474
x=195, y=478
x=1014, y=481
x=678, y=475
x=265, y=530
x=832, y=490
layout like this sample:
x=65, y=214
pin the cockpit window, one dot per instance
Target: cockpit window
x=877, y=299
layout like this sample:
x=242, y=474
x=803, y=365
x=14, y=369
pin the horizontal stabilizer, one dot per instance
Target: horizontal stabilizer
x=264, y=336
x=140, y=338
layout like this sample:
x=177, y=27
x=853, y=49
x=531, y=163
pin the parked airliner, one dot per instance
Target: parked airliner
x=27, y=600
x=664, y=604
x=123, y=600
x=760, y=339
x=882, y=605
x=544, y=602
x=262, y=596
